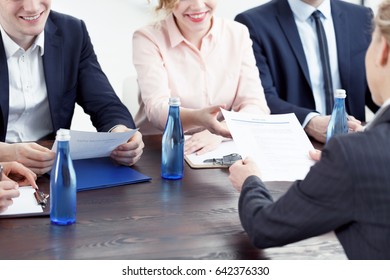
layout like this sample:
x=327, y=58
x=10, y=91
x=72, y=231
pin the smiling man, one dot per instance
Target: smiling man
x=47, y=65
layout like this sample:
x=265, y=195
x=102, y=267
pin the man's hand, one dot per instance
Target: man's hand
x=129, y=153
x=317, y=127
x=33, y=156
x=241, y=170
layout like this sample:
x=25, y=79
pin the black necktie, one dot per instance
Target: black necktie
x=324, y=53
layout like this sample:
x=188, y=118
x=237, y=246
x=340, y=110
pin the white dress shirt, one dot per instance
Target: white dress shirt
x=29, y=114
x=308, y=35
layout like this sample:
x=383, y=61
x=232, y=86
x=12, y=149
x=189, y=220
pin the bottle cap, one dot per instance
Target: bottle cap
x=63, y=134
x=174, y=101
x=340, y=93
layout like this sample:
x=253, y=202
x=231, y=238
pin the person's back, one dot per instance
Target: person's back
x=366, y=190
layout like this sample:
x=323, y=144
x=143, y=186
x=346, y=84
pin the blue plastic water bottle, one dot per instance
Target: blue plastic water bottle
x=338, y=120
x=172, y=159
x=63, y=183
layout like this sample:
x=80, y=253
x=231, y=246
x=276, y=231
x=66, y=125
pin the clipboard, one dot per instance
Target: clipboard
x=27, y=205
x=198, y=161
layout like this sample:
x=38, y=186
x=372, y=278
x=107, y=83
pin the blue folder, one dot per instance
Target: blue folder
x=97, y=173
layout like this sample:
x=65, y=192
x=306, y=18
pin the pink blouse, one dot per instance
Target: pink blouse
x=223, y=72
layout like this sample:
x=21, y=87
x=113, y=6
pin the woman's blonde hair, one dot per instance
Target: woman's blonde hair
x=166, y=5
x=382, y=19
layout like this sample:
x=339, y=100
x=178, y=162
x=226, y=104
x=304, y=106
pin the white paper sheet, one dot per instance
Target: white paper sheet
x=85, y=144
x=277, y=143
x=24, y=204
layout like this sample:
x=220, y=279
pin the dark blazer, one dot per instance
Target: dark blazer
x=72, y=75
x=281, y=59
x=347, y=191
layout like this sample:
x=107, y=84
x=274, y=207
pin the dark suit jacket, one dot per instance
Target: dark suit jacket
x=347, y=191
x=281, y=59
x=72, y=75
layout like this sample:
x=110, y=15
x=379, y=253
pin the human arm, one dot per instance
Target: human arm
x=34, y=156
x=94, y=91
x=129, y=153
x=280, y=73
x=161, y=75
x=320, y=203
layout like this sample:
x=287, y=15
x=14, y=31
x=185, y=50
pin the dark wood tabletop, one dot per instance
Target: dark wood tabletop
x=192, y=218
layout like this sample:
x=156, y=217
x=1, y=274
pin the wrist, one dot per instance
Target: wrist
x=7, y=152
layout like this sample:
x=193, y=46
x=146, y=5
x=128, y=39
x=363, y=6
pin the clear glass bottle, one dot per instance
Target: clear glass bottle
x=338, y=120
x=172, y=153
x=63, y=183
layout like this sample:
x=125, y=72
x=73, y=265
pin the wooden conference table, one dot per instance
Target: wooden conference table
x=193, y=218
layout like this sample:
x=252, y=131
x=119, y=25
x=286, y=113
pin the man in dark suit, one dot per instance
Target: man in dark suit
x=287, y=53
x=47, y=65
x=347, y=191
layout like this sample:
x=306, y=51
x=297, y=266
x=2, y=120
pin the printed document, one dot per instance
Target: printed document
x=85, y=144
x=277, y=143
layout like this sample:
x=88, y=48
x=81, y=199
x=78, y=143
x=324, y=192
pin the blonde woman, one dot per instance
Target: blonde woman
x=206, y=61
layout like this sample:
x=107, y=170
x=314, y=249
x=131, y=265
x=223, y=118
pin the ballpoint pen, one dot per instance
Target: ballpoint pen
x=1, y=172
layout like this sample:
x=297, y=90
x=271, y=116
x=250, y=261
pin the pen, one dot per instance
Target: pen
x=1, y=172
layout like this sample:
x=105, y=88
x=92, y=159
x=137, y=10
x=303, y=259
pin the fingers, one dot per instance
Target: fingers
x=355, y=126
x=19, y=173
x=202, y=142
x=129, y=153
x=315, y=154
x=34, y=156
x=353, y=119
x=8, y=191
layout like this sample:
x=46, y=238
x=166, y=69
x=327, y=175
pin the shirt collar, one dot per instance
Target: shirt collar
x=303, y=11
x=11, y=47
x=175, y=35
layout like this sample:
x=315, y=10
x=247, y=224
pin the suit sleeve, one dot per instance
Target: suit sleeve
x=95, y=93
x=276, y=104
x=322, y=202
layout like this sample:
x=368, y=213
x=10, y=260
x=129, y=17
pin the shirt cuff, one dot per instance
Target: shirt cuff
x=309, y=117
x=112, y=128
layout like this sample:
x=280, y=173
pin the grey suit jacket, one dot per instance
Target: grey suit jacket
x=347, y=191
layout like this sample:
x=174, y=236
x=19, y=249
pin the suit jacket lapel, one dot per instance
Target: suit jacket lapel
x=287, y=23
x=53, y=64
x=4, y=92
x=342, y=41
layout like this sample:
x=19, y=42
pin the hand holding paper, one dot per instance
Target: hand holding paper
x=277, y=143
x=95, y=144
